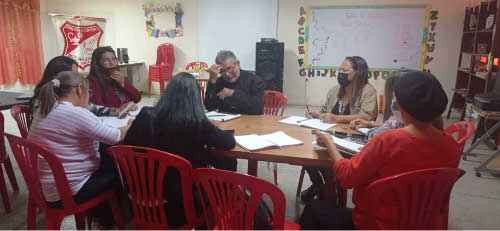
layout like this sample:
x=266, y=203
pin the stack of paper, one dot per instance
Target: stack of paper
x=221, y=117
x=348, y=145
x=363, y=130
x=255, y=142
x=303, y=121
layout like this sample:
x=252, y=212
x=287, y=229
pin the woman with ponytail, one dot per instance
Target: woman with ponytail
x=64, y=126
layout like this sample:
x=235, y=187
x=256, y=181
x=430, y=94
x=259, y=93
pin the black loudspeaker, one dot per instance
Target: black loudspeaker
x=269, y=63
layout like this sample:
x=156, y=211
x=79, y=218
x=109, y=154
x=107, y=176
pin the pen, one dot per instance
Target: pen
x=215, y=115
x=302, y=120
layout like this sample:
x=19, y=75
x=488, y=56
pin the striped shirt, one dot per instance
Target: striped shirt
x=72, y=133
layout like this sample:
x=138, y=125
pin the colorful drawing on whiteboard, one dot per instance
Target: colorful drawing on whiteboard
x=153, y=9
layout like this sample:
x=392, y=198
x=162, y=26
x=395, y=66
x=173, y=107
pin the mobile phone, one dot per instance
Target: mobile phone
x=125, y=110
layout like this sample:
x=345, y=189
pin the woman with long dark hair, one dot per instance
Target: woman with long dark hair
x=354, y=98
x=109, y=87
x=178, y=124
x=55, y=66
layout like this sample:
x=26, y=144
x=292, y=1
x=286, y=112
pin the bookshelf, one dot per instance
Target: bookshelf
x=477, y=63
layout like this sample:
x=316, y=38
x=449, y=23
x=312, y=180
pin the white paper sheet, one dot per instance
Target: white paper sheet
x=114, y=121
x=316, y=124
x=294, y=120
x=347, y=144
x=281, y=139
x=221, y=117
x=253, y=142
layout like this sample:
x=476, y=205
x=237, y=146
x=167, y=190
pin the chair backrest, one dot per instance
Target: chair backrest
x=3, y=151
x=423, y=197
x=274, y=102
x=165, y=54
x=193, y=65
x=144, y=170
x=229, y=205
x=22, y=115
x=28, y=156
x=463, y=129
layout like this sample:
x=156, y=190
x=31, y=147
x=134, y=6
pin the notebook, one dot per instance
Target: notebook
x=303, y=121
x=114, y=122
x=363, y=130
x=221, y=117
x=254, y=142
x=347, y=145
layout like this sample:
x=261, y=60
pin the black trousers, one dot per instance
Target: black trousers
x=100, y=181
x=317, y=175
x=323, y=215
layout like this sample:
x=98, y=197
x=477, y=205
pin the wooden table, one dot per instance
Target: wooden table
x=8, y=100
x=303, y=155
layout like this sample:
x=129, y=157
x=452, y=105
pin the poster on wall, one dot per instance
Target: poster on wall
x=78, y=36
x=154, y=9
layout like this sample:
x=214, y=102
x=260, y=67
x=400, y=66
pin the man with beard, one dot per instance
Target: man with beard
x=237, y=90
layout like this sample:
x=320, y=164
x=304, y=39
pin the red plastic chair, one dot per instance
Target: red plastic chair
x=274, y=104
x=226, y=206
x=5, y=161
x=201, y=84
x=162, y=71
x=27, y=155
x=135, y=164
x=423, y=197
x=22, y=115
x=463, y=129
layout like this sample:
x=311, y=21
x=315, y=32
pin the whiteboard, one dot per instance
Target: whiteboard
x=387, y=37
x=235, y=25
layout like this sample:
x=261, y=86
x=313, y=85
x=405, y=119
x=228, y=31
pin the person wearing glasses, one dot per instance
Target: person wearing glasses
x=231, y=89
x=108, y=84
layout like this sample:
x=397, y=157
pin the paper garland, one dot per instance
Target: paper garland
x=152, y=9
x=311, y=73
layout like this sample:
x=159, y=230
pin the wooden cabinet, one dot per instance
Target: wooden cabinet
x=476, y=71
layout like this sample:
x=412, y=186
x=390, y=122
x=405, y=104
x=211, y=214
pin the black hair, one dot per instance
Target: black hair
x=101, y=73
x=55, y=65
x=360, y=79
x=141, y=131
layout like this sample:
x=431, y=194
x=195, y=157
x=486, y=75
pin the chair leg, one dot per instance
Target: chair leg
x=80, y=221
x=275, y=171
x=301, y=179
x=31, y=215
x=53, y=222
x=115, y=208
x=3, y=191
x=11, y=174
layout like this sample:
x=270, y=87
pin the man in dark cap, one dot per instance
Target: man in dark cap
x=419, y=145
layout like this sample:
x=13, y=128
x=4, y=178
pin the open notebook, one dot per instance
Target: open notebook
x=347, y=145
x=303, y=121
x=221, y=117
x=255, y=142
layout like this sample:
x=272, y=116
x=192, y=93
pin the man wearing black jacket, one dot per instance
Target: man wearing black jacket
x=237, y=91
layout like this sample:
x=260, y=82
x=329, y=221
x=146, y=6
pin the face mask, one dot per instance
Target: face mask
x=396, y=113
x=343, y=79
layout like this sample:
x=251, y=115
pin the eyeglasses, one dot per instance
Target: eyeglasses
x=229, y=69
x=112, y=60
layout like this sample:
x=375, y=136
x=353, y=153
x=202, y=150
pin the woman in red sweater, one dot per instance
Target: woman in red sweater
x=108, y=85
x=420, y=98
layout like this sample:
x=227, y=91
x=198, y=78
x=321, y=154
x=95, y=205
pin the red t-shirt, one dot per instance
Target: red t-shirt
x=389, y=153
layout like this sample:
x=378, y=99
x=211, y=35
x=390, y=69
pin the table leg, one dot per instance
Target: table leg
x=333, y=192
x=483, y=167
x=252, y=167
x=483, y=138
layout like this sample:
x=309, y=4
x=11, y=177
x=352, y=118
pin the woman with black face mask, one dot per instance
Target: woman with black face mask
x=354, y=98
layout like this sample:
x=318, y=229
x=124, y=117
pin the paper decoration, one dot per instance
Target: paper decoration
x=431, y=39
x=153, y=9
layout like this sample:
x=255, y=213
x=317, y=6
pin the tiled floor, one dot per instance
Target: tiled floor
x=475, y=202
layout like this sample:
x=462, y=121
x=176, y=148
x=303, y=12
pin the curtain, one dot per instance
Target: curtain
x=21, y=55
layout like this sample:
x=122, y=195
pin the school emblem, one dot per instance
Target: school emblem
x=80, y=41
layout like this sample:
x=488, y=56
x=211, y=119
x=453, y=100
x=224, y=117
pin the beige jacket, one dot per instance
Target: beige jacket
x=365, y=105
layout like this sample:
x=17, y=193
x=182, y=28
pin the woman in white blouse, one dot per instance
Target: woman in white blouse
x=65, y=126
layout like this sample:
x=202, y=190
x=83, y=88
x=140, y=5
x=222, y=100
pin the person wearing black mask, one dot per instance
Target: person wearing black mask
x=354, y=98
